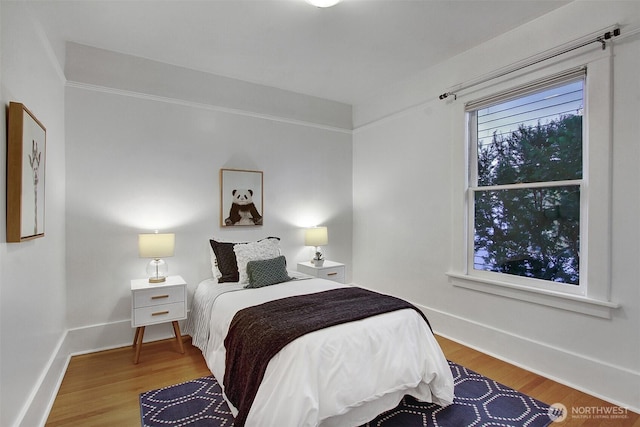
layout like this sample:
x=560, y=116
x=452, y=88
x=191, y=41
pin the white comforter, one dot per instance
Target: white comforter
x=339, y=376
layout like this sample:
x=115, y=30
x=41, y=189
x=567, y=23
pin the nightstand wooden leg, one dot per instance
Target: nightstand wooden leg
x=138, y=343
x=176, y=330
x=135, y=339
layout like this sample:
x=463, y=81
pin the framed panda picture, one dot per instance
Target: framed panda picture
x=241, y=197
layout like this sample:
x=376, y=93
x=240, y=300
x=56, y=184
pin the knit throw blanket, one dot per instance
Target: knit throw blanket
x=257, y=333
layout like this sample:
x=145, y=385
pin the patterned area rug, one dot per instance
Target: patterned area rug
x=479, y=401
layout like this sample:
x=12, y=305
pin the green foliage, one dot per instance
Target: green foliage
x=532, y=232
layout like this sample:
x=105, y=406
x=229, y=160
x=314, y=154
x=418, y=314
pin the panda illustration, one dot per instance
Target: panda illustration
x=243, y=211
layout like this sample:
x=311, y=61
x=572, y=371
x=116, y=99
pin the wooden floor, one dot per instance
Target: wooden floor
x=102, y=389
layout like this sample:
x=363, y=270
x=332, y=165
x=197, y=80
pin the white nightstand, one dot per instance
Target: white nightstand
x=153, y=303
x=329, y=270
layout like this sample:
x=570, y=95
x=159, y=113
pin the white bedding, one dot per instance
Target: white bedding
x=327, y=377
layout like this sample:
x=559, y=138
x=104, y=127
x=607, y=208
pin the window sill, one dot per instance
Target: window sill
x=576, y=303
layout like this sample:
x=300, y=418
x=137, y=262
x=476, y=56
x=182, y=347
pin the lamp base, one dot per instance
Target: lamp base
x=157, y=271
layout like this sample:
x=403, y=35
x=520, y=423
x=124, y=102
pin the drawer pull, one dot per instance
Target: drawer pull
x=159, y=296
x=331, y=274
x=160, y=313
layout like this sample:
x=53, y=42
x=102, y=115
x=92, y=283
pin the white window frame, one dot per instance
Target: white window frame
x=472, y=187
x=593, y=296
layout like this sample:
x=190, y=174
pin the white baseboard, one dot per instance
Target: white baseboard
x=608, y=382
x=106, y=336
x=88, y=339
x=38, y=405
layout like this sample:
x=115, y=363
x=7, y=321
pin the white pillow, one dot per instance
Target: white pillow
x=254, y=251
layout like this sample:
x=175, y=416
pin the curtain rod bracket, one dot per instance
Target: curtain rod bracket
x=607, y=36
x=448, y=94
x=604, y=43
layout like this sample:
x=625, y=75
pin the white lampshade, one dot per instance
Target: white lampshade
x=156, y=246
x=316, y=236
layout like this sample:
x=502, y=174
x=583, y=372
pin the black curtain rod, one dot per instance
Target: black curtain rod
x=599, y=39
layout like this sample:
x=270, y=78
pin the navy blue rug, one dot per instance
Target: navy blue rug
x=479, y=401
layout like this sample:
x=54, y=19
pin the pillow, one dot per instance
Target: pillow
x=255, y=251
x=214, y=262
x=224, y=266
x=267, y=272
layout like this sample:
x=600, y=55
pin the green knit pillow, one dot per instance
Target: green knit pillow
x=267, y=272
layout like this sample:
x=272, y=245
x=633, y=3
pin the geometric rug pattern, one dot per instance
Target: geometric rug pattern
x=192, y=403
x=479, y=401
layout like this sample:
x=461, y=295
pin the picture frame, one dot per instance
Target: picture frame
x=26, y=165
x=241, y=198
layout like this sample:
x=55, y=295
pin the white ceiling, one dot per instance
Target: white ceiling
x=341, y=53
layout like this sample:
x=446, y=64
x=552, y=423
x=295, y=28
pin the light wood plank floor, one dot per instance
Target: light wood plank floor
x=102, y=389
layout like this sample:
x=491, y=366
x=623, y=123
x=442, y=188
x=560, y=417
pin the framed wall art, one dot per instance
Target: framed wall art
x=26, y=160
x=241, y=197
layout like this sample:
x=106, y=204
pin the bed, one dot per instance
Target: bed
x=342, y=375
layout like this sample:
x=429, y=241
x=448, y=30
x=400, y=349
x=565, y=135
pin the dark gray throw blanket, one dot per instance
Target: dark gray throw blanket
x=257, y=333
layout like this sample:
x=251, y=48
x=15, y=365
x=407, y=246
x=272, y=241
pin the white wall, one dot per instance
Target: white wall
x=32, y=274
x=143, y=155
x=409, y=200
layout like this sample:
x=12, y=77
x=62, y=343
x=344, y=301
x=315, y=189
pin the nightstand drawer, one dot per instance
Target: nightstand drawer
x=329, y=270
x=335, y=274
x=160, y=296
x=159, y=314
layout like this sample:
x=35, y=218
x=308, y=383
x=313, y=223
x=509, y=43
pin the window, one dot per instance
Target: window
x=525, y=183
x=540, y=195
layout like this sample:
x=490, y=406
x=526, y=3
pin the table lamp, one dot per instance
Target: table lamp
x=316, y=236
x=156, y=246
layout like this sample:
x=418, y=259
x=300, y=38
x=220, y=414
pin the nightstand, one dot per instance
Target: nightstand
x=329, y=270
x=153, y=303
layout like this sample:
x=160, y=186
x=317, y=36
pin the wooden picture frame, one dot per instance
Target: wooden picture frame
x=26, y=164
x=241, y=197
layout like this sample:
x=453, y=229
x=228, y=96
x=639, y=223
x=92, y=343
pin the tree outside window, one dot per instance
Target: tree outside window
x=526, y=177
